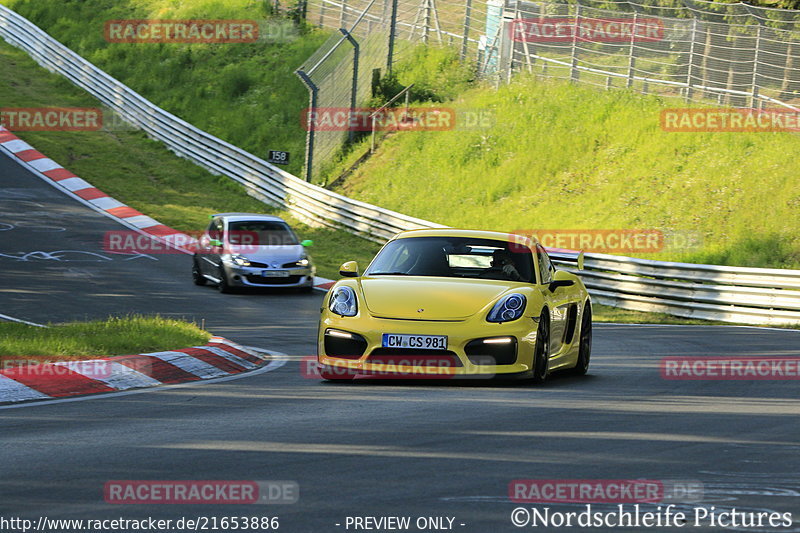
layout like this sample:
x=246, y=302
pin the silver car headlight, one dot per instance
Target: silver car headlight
x=509, y=308
x=343, y=301
x=239, y=260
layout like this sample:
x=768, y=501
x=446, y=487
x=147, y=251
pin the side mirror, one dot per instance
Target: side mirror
x=349, y=269
x=580, y=260
x=555, y=284
x=561, y=278
x=215, y=242
x=307, y=243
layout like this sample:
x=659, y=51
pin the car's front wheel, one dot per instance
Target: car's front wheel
x=542, y=349
x=223, y=285
x=585, y=345
x=197, y=276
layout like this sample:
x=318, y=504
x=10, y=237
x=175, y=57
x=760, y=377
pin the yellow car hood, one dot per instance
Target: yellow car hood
x=439, y=298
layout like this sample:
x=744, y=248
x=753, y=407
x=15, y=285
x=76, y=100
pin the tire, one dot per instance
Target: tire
x=585, y=343
x=197, y=277
x=223, y=286
x=306, y=290
x=542, y=348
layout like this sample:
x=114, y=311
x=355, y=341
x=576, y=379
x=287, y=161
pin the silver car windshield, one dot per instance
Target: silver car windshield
x=454, y=257
x=261, y=233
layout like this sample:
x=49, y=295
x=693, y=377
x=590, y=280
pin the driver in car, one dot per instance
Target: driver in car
x=501, y=261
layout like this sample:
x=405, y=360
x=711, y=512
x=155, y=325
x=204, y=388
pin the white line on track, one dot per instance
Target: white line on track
x=12, y=319
x=273, y=365
x=691, y=326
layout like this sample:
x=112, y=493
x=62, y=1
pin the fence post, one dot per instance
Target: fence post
x=505, y=50
x=427, y=21
x=310, y=124
x=322, y=14
x=573, y=75
x=343, y=13
x=392, y=37
x=465, y=42
x=690, y=73
x=632, y=52
x=754, y=97
x=354, y=88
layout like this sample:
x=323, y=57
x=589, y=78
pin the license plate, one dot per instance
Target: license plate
x=428, y=342
x=275, y=273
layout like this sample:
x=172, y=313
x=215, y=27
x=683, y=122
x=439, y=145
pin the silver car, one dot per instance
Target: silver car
x=250, y=250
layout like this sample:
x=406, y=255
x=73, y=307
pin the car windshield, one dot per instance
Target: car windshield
x=261, y=233
x=454, y=257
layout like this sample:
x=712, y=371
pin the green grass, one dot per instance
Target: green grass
x=244, y=93
x=143, y=173
x=114, y=336
x=563, y=156
x=249, y=96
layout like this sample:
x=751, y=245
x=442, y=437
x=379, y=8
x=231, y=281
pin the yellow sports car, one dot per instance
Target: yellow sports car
x=445, y=303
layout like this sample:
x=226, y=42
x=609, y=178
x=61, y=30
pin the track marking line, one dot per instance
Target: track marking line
x=12, y=319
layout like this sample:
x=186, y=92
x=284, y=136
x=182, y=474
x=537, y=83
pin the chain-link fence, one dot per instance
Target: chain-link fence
x=341, y=73
x=736, y=54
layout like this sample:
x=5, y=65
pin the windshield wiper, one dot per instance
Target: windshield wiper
x=388, y=274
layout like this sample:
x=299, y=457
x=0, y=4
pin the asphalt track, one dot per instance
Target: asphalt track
x=364, y=449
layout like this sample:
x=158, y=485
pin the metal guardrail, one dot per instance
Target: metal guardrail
x=309, y=203
x=765, y=296
x=731, y=294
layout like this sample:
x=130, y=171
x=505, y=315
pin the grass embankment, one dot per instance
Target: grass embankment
x=143, y=173
x=244, y=93
x=103, y=338
x=562, y=156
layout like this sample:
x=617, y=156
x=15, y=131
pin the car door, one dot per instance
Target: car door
x=558, y=301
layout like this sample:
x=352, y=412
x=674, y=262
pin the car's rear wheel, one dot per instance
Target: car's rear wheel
x=542, y=349
x=197, y=276
x=585, y=346
x=223, y=285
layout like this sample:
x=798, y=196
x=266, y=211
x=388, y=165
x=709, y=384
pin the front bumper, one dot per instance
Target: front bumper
x=461, y=358
x=253, y=277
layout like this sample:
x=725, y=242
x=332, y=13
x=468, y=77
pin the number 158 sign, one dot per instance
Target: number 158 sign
x=278, y=158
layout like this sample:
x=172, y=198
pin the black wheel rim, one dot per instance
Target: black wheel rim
x=540, y=369
x=586, y=340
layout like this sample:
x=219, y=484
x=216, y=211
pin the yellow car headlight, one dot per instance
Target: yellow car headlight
x=343, y=302
x=509, y=308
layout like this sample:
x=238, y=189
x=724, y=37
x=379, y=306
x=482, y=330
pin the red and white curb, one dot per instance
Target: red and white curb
x=47, y=381
x=94, y=198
